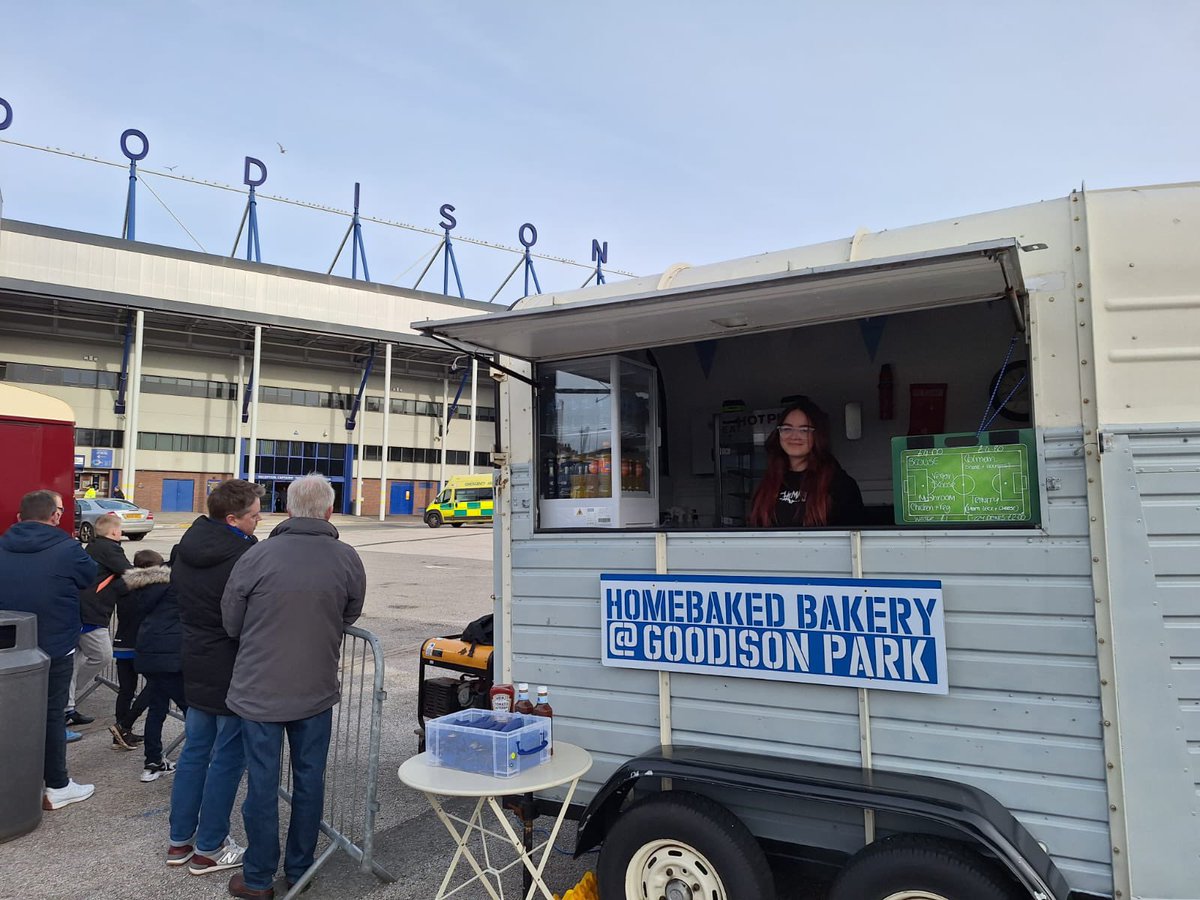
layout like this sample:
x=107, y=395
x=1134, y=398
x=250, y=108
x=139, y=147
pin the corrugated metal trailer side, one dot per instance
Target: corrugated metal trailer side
x=1022, y=720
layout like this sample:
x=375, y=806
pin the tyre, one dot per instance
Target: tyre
x=682, y=846
x=433, y=518
x=87, y=532
x=136, y=537
x=919, y=867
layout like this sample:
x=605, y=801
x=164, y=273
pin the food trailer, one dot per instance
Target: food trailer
x=989, y=686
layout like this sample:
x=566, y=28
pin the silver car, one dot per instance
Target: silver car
x=136, y=522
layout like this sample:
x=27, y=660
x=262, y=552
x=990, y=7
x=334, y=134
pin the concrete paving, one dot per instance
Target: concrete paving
x=422, y=582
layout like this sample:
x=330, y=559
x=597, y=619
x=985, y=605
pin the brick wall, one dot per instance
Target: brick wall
x=149, y=490
x=423, y=492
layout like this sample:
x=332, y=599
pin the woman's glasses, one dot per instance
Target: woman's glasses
x=795, y=430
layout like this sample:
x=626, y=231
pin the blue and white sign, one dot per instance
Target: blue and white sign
x=886, y=634
x=101, y=459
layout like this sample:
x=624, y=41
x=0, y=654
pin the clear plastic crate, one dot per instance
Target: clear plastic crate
x=488, y=742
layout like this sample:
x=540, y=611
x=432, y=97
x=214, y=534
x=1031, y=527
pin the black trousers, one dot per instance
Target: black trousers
x=129, y=707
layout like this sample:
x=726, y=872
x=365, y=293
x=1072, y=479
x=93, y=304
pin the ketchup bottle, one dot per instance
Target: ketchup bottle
x=500, y=697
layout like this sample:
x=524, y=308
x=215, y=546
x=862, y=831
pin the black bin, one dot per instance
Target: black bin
x=24, y=678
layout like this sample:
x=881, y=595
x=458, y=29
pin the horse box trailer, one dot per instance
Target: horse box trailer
x=990, y=685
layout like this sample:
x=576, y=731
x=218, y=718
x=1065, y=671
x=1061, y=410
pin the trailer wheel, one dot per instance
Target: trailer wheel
x=433, y=518
x=682, y=846
x=86, y=533
x=919, y=867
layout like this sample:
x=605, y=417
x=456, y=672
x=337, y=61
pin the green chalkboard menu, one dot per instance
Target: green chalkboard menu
x=966, y=478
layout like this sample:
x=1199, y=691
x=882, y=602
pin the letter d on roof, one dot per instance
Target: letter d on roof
x=262, y=172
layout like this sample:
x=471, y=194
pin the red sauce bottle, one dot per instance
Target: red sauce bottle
x=501, y=697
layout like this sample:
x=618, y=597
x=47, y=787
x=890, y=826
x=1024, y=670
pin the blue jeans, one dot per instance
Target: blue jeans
x=54, y=767
x=207, y=776
x=308, y=740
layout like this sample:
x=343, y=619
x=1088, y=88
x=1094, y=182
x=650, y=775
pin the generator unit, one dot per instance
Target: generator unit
x=440, y=695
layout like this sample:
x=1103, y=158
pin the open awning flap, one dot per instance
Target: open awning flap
x=966, y=274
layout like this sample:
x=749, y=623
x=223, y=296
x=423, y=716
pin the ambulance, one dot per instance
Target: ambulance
x=463, y=499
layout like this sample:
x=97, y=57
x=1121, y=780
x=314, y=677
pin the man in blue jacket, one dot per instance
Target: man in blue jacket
x=43, y=569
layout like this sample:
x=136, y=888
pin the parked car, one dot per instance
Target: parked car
x=136, y=522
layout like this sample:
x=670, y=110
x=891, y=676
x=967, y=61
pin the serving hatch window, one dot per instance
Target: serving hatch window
x=920, y=432
x=912, y=372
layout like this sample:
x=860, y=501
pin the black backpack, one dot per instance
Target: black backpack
x=480, y=631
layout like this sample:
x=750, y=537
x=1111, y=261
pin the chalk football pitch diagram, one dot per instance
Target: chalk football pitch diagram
x=966, y=484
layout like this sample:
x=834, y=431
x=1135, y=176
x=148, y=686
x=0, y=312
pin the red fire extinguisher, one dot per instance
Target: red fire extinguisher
x=887, y=394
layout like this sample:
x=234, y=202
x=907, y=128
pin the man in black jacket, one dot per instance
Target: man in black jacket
x=212, y=762
x=96, y=604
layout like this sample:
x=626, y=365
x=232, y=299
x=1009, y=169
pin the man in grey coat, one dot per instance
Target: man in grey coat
x=287, y=601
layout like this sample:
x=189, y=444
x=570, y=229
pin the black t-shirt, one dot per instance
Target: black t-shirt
x=845, y=500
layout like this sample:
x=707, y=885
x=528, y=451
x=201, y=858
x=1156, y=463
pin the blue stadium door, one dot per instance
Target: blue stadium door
x=178, y=494
x=401, y=501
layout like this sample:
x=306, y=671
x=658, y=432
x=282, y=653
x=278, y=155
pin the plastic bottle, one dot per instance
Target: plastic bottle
x=523, y=705
x=500, y=697
x=543, y=708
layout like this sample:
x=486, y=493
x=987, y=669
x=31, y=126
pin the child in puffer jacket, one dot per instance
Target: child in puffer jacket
x=159, y=638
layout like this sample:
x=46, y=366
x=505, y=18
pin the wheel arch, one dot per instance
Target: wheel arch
x=974, y=817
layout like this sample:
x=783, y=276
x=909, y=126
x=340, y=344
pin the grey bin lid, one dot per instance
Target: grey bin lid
x=18, y=631
x=32, y=661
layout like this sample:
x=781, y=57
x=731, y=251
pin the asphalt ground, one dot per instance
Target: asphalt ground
x=421, y=583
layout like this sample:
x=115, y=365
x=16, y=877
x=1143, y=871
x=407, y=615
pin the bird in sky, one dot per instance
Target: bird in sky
x=170, y=168
x=280, y=146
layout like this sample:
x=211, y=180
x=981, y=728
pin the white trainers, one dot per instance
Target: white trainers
x=229, y=856
x=155, y=769
x=57, y=798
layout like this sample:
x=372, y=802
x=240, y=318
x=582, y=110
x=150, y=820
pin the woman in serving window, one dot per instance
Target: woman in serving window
x=804, y=486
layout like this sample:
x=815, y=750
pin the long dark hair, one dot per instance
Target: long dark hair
x=818, y=475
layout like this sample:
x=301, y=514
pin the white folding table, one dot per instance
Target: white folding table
x=568, y=764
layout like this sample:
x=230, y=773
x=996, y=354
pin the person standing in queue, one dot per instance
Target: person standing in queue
x=287, y=602
x=42, y=570
x=804, y=485
x=209, y=769
x=96, y=604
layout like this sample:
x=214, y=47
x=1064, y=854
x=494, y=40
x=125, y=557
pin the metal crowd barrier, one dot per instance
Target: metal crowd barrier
x=352, y=766
x=107, y=677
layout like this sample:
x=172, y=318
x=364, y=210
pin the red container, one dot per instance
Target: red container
x=37, y=452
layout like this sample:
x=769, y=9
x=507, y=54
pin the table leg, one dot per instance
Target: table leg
x=558, y=821
x=475, y=822
x=538, y=884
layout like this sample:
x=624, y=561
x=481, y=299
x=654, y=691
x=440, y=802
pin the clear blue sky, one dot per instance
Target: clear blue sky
x=677, y=131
